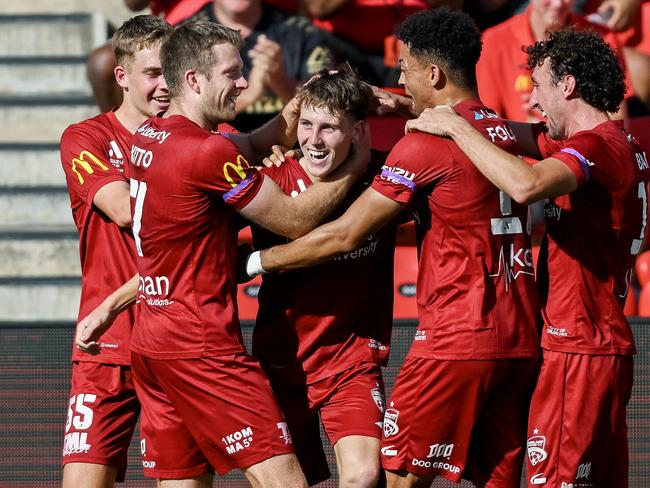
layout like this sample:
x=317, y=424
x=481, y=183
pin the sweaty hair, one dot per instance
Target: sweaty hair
x=140, y=32
x=340, y=91
x=190, y=47
x=448, y=38
x=600, y=80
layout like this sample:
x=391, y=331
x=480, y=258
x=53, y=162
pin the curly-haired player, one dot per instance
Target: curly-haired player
x=460, y=402
x=594, y=177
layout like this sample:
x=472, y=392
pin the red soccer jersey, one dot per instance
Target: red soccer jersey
x=504, y=81
x=594, y=235
x=316, y=322
x=94, y=153
x=183, y=181
x=476, y=290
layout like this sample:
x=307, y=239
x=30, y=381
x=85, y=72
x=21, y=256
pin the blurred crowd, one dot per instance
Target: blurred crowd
x=286, y=41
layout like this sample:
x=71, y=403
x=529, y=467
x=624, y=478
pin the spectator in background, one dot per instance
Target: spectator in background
x=279, y=52
x=630, y=19
x=371, y=46
x=102, y=63
x=504, y=80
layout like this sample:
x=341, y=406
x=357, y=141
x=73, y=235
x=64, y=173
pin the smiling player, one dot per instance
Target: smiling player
x=322, y=333
x=103, y=408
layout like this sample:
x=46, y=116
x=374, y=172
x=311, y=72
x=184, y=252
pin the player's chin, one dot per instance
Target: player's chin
x=159, y=106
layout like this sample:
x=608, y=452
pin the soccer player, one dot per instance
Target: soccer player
x=322, y=334
x=206, y=404
x=103, y=408
x=594, y=175
x=459, y=405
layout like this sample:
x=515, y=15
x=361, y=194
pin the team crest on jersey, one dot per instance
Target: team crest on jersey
x=378, y=396
x=390, y=421
x=535, y=448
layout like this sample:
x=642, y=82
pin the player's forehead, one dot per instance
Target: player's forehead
x=227, y=57
x=542, y=72
x=322, y=114
x=147, y=57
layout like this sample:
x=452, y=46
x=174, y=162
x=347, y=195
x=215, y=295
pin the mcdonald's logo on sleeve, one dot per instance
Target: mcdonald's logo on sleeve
x=87, y=162
x=235, y=172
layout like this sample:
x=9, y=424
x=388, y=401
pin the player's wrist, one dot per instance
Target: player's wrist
x=254, y=264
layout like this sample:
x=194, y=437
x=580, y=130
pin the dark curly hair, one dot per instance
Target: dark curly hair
x=600, y=80
x=445, y=37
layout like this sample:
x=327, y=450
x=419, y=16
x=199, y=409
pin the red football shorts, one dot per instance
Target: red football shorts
x=102, y=413
x=205, y=413
x=459, y=419
x=577, y=433
x=349, y=403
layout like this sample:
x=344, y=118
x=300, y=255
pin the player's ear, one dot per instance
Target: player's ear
x=568, y=85
x=436, y=75
x=192, y=80
x=120, y=76
x=357, y=130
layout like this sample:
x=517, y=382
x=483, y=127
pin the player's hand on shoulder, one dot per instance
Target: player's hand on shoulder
x=278, y=155
x=91, y=328
x=437, y=121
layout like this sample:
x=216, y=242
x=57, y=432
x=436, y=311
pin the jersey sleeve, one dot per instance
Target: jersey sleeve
x=581, y=154
x=416, y=161
x=221, y=168
x=85, y=162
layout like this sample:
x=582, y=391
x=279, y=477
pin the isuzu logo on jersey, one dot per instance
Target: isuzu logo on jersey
x=535, y=448
x=116, y=157
x=238, y=441
x=151, y=133
x=398, y=175
x=390, y=421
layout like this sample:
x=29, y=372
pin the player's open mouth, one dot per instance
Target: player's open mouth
x=317, y=156
x=163, y=99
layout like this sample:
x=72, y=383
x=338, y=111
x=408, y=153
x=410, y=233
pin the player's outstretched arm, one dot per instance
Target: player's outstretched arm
x=97, y=322
x=523, y=182
x=114, y=201
x=293, y=217
x=369, y=213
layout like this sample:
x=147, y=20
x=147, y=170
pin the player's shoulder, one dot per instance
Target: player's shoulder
x=418, y=145
x=96, y=126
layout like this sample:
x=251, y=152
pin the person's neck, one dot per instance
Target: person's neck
x=582, y=116
x=129, y=116
x=190, y=112
x=453, y=95
x=244, y=22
